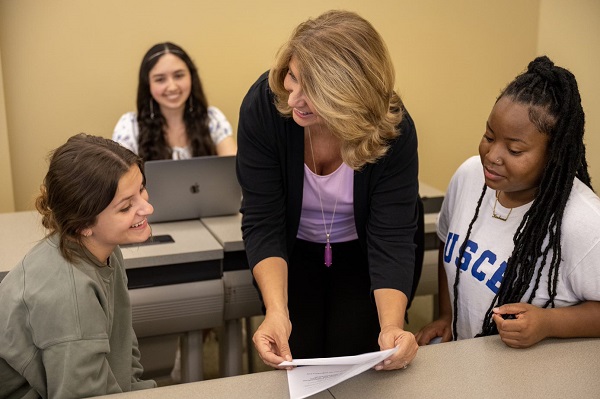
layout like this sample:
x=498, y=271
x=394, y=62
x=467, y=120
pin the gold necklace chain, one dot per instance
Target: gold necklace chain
x=495, y=215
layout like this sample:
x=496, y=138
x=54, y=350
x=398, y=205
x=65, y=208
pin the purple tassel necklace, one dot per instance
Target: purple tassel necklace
x=328, y=257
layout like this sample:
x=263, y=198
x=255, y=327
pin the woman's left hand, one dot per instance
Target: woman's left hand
x=392, y=336
x=524, y=327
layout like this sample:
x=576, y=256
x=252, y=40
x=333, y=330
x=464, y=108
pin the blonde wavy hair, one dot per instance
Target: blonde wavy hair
x=345, y=70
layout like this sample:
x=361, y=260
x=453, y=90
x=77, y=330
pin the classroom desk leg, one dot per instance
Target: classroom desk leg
x=230, y=348
x=191, y=356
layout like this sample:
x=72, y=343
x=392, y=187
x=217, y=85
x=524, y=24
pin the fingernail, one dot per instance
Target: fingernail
x=378, y=368
x=387, y=362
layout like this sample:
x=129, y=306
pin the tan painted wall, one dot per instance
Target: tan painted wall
x=570, y=35
x=7, y=202
x=71, y=65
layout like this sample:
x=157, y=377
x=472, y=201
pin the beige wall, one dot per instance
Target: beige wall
x=7, y=202
x=570, y=35
x=71, y=65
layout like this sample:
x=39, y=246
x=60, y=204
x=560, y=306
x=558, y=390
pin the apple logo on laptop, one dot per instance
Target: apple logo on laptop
x=195, y=188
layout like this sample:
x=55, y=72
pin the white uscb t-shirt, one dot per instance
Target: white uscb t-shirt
x=491, y=244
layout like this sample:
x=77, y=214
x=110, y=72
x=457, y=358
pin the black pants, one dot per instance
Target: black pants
x=331, y=310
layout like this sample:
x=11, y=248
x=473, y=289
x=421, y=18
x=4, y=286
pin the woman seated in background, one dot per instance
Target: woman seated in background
x=65, y=320
x=520, y=222
x=173, y=120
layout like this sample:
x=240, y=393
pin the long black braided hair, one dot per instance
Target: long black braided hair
x=552, y=95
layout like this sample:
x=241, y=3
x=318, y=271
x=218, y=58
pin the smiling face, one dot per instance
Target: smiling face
x=170, y=82
x=513, y=152
x=123, y=221
x=303, y=111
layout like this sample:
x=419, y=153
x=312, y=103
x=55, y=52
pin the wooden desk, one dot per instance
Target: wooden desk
x=475, y=368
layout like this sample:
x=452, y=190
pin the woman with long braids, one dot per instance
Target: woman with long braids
x=173, y=119
x=521, y=222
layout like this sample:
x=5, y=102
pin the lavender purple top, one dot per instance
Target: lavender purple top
x=339, y=186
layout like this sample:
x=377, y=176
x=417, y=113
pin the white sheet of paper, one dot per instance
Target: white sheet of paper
x=316, y=375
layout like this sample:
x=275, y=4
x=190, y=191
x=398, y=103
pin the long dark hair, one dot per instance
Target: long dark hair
x=152, y=144
x=82, y=180
x=552, y=95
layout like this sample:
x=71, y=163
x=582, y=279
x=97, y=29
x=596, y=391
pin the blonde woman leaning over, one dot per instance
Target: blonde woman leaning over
x=328, y=166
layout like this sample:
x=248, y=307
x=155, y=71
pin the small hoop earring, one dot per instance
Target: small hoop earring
x=151, y=109
x=191, y=107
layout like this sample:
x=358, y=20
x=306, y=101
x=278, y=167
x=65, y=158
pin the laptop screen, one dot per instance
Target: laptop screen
x=192, y=188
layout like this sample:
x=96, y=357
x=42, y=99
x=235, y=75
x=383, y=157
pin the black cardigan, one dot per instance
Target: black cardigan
x=270, y=170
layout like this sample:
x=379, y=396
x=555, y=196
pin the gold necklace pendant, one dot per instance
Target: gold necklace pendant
x=495, y=215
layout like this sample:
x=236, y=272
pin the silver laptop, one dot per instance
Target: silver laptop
x=192, y=188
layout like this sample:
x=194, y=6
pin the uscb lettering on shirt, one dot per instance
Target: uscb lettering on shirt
x=481, y=264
